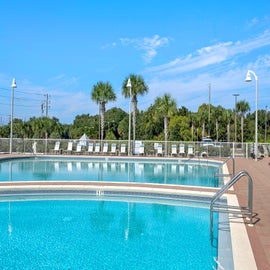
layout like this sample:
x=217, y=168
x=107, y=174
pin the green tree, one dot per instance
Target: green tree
x=150, y=125
x=192, y=120
x=101, y=94
x=242, y=107
x=166, y=107
x=179, y=128
x=217, y=114
x=203, y=116
x=228, y=114
x=113, y=116
x=138, y=87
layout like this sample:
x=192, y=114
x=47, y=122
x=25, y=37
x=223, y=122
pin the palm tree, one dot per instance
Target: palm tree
x=217, y=115
x=102, y=92
x=166, y=106
x=138, y=87
x=242, y=107
x=203, y=115
x=228, y=114
x=192, y=120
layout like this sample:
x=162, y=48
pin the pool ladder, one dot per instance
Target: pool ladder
x=244, y=211
x=218, y=175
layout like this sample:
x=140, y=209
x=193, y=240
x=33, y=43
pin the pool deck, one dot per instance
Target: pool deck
x=259, y=234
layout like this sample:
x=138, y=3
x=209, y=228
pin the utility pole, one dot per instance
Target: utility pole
x=47, y=104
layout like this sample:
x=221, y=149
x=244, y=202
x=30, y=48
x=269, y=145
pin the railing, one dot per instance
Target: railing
x=221, y=150
x=218, y=175
x=243, y=210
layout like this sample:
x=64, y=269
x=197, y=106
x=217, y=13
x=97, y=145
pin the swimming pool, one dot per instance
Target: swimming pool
x=41, y=233
x=159, y=171
x=177, y=233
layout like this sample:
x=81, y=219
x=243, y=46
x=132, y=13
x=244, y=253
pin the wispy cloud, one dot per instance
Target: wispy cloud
x=149, y=45
x=253, y=22
x=62, y=80
x=109, y=45
x=211, y=55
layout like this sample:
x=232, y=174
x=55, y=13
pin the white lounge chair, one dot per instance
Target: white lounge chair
x=174, y=150
x=90, y=149
x=56, y=148
x=105, y=148
x=34, y=147
x=190, y=151
x=113, y=148
x=159, y=150
x=97, y=148
x=78, y=149
x=123, y=149
x=141, y=150
x=69, y=148
x=182, y=151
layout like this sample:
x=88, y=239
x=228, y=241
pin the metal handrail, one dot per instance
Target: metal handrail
x=225, y=188
x=233, y=164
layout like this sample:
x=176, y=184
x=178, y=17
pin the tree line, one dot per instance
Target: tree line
x=163, y=120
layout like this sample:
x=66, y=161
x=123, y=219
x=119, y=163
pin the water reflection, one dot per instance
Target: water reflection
x=109, y=170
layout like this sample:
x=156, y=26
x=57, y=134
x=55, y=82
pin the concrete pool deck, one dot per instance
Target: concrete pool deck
x=259, y=234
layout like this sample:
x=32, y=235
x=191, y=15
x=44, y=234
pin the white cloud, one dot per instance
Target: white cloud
x=211, y=55
x=148, y=45
x=254, y=21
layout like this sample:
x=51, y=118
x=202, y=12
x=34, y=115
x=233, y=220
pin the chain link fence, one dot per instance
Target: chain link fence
x=134, y=148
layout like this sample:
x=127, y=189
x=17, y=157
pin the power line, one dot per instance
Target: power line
x=24, y=92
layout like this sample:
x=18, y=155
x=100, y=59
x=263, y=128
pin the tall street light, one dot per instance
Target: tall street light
x=248, y=79
x=265, y=125
x=13, y=85
x=235, y=118
x=129, y=120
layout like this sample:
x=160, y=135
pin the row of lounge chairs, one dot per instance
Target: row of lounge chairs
x=91, y=149
x=98, y=149
x=182, y=151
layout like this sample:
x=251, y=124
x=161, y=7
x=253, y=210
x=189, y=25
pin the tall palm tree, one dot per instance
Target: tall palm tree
x=138, y=87
x=217, y=115
x=203, y=116
x=228, y=114
x=102, y=92
x=192, y=120
x=242, y=107
x=166, y=106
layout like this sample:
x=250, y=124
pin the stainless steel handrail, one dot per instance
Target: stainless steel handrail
x=233, y=164
x=225, y=188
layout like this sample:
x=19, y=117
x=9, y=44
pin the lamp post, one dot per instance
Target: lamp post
x=209, y=108
x=265, y=125
x=129, y=120
x=248, y=79
x=235, y=118
x=13, y=85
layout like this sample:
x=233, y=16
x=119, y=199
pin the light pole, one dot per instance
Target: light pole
x=235, y=118
x=13, y=85
x=265, y=125
x=248, y=79
x=209, y=108
x=129, y=120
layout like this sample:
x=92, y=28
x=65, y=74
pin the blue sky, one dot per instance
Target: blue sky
x=62, y=48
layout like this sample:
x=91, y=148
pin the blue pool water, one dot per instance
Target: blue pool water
x=87, y=234
x=155, y=171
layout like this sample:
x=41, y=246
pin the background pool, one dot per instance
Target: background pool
x=104, y=235
x=180, y=173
